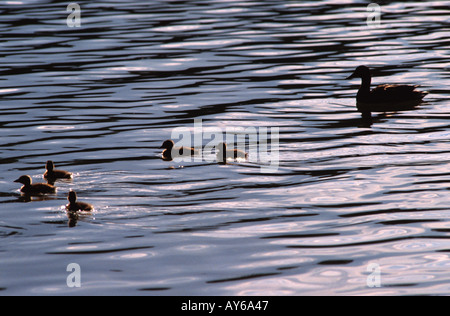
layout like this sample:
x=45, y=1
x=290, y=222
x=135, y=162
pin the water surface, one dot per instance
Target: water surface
x=100, y=99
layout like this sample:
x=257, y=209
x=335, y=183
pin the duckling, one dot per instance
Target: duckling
x=75, y=206
x=35, y=189
x=224, y=153
x=53, y=174
x=387, y=97
x=171, y=151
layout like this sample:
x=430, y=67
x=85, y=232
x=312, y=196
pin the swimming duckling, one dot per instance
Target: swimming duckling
x=35, y=189
x=385, y=97
x=52, y=174
x=223, y=154
x=75, y=206
x=171, y=151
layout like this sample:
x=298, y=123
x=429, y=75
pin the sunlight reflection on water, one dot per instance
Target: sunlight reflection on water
x=100, y=99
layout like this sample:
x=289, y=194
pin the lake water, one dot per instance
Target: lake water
x=354, y=208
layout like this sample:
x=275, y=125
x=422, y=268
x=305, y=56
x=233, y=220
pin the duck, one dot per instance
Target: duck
x=75, y=206
x=52, y=174
x=223, y=153
x=35, y=189
x=386, y=97
x=170, y=151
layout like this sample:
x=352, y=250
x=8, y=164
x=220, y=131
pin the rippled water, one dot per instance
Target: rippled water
x=349, y=194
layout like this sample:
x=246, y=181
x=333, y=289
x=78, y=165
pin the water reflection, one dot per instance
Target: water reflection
x=349, y=190
x=26, y=198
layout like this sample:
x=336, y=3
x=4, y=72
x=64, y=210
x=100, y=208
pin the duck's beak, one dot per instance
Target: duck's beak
x=17, y=181
x=351, y=76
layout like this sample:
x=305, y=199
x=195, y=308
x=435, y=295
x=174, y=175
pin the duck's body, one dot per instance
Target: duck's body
x=170, y=151
x=75, y=206
x=224, y=153
x=35, y=189
x=53, y=174
x=387, y=97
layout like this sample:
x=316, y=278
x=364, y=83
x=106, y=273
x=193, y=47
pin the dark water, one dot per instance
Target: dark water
x=348, y=195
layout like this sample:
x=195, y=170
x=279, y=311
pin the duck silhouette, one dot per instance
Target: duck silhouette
x=386, y=97
x=170, y=151
x=75, y=206
x=224, y=153
x=29, y=188
x=51, y=174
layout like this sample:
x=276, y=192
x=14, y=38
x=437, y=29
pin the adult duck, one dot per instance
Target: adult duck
x=386, y=97
x=170, y=151
x=35, y=189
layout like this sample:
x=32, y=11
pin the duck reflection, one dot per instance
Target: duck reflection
x=26, y=198
x=73, y=218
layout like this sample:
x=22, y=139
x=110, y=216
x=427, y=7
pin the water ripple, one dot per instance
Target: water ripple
x=100, y=99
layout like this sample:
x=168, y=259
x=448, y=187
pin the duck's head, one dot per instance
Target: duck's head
x=360, y=72
x=168, y=144
x=50, y=166
x=25, y=180
x=72, y=197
